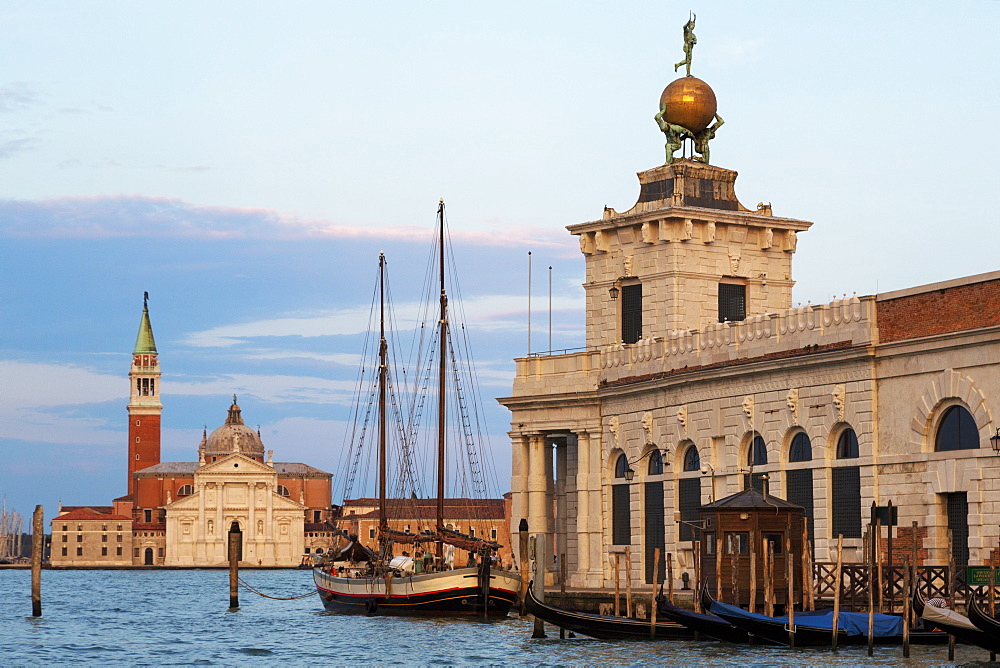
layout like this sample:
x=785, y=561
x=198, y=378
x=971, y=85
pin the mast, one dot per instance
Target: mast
x=383, y=368
x=443, y=336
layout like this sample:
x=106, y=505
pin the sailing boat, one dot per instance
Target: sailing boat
x=360, y=580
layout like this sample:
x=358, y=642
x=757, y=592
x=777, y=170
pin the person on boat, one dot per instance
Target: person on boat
x=428, y=561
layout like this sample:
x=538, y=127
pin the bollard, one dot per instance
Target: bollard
x=538, y=588
x=37, y=547
x=235, y=540
x=522, y=537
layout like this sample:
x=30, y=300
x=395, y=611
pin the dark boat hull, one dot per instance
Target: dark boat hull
x=449, y=594
x=605, y=627
x=707, y=625
x=980, y=638
x=777, y=632
x=989, y=625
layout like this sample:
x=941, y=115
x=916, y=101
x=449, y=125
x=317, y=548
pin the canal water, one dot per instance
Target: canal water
x=161, y=617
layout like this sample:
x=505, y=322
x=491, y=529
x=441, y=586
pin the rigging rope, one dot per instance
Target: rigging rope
x=246, y=586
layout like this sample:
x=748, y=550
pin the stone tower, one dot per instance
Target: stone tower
x=144, y=407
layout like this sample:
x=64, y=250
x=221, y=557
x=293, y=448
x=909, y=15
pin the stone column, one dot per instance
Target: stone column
x=582, y=506
x=518, y=486
x=219, y=544
x=539, y=510
x=561, y=527
x=199, y=534
x=251, y=538
x=595, y=514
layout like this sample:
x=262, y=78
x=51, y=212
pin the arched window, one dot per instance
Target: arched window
x=621, y=465
x=801, y=448
x=655, y=463
x=283, y=491
x=692, y=462
x=185, y=490
x=847, y=445
x=757, y=454
x=621, y=505
x=957, y=431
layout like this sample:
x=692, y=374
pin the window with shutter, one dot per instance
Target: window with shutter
x=847, y=502
x=631, y=313
x=732, y=302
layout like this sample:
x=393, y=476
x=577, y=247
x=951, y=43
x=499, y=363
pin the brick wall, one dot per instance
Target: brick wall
x=939, y=311
x=902, y=542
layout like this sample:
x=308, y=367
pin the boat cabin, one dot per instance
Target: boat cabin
x=752, y=532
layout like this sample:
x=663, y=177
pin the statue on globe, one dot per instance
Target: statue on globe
x=689, y=41
x=674, y=133
x=702, y=138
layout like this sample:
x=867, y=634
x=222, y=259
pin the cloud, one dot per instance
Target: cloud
x=10, y=147
x=125, y=216
x=267, y=388
x=17, y=95
x=483, y=312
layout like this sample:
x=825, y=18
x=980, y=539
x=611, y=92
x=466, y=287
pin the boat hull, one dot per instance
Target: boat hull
x=707, y=625
x=454, y=593
x=604, y=627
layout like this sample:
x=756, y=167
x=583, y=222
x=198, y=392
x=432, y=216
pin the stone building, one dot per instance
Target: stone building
x=179, y=513
x=479, y=518
x=700, y=377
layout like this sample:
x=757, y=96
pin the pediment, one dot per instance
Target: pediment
x=235, y=464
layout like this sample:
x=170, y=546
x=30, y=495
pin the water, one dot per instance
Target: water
x=180, y=617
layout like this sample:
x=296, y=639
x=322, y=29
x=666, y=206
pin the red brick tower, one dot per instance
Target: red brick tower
x=144, y=407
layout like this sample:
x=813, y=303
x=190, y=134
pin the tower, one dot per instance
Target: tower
x=144, y=407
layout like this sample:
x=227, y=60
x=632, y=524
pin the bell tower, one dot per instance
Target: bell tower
x=144, y=407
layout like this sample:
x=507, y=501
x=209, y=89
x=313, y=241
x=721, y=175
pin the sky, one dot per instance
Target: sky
x=245, y=163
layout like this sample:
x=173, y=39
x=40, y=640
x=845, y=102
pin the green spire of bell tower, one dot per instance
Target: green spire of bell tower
x=144, y=343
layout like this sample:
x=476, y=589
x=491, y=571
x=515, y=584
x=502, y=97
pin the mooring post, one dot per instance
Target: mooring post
x=670, y=577
x=837, y=577
x=235, y=539
x=907, y=582
x=37, y=547
x=522, y=544
x=562, y=587
x=790, y=599
x=652, y=599
x=538, y=589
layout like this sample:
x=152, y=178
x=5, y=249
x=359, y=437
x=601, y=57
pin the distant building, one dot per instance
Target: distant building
x=179, y=513
x=479, y=518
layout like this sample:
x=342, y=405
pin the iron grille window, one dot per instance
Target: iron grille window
x=958, y=523
x=654, y=530
x=800, y=492
x=621, y=528
x=847, y=501
x=732, y=302
x=631, y=313
x=801, y=449
x=689, y=498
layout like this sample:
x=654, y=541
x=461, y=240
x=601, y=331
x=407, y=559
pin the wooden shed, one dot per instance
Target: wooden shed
x=737, y=531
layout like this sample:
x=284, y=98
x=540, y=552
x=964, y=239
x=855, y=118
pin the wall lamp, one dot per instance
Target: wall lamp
x=630, y=472
x=613, y=291
x=995, y=442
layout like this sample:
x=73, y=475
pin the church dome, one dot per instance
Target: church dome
x=233, y=437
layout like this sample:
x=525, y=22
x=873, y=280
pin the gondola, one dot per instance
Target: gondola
x=979, y=617
x=957, y=625
x=604, y=627
x=707, y=625
x=815, y=629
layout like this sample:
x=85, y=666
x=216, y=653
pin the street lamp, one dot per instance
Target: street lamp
x=995, y=442
x=613, y=291
x=630, y=472
x=705, y=468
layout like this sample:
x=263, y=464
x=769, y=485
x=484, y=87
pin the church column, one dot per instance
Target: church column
x=539, y=478
x=582, y=506
x=251, y=538
x=199, y=532
x=219, y=544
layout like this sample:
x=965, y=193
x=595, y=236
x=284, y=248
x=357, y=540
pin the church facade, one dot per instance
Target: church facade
x=180, y=513
x=700, y=377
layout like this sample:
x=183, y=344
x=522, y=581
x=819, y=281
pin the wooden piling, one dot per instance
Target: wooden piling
x=807, y=587
x=652, y=599
x=37, y=548
x=562, y=573
x=878, y=565
x=871, y=591
x=951, y=591
x=696, y=549
x=628, y=581
x=670, y=577
x=907, y=583
x=617, y=583
x=235, y=536
x=522, y=545
x=736, y=581
x=891, y=580
x=538, y=588
x=753, y=572
x=769, y=579
x=718, y=566
x=790, y=598
x=838, y=576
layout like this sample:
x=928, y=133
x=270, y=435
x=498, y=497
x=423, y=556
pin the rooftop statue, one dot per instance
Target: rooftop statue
x=702, y=138
x=689, y=41
x=674, y=134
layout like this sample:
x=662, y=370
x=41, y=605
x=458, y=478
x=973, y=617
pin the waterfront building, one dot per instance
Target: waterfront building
x=179, y=513
x=700, y=377
x=479, y=518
